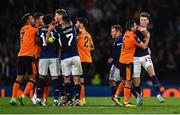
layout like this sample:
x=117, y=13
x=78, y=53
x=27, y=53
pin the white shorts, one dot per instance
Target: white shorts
x=71, y=66
x=51, y=64
x=144, y=61
x=114, y=73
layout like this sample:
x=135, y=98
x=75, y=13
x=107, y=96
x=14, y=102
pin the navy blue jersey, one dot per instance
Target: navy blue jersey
x=68, y=41
x=116, y=50
x=139, y=51
x=48, y=50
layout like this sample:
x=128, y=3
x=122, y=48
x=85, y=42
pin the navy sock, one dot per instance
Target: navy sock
x=137, y=89
x=156, y=84
x=40, y=86
x=77, y=89
x=61, y=85
x=55, y=83
x=113, y=90
x=133, y=91
x=68, y=89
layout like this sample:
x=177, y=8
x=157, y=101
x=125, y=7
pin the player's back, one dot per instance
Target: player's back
x=27, y=41
x=128, y=47
x=85, y=45
x=68, y=42
x=48, y=50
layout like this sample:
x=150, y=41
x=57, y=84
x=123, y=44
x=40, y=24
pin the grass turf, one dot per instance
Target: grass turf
x=94, y=105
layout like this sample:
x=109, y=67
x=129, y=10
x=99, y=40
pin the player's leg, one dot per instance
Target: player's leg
x=112, y=82
x=136, y=81
x=61, y=87
x=66, y=72
x=86, y=67
x=46, y=90
x=41, y=81
x=76, y=72
x=62, y=91
x=114, y=79
x=54, y=68
x=128, y=82
x=36, y=74
x=148, y=65
x=121, y=85
x=32, y=80
x=15, y=89
x=17, y=83
x=68, y=87
x=82, y=92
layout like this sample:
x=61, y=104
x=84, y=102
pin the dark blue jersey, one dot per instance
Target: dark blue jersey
x=139, y=51
x=116, y=50
x=48, y=50
x=68, y=41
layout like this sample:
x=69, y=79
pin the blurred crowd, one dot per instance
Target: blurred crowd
x=102, y=14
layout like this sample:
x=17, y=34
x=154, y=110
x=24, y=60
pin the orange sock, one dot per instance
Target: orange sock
x=82, y=93
x=127, y=94
x=120, y=89
x=15, y=89
x=46, y=92
x=28, y=88
x=19, y=93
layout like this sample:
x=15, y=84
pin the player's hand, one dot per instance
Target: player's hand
x=110, y=60
x=142, y=30
x=51, y=27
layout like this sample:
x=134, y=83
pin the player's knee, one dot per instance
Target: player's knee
x=76, y=80
x=128, y=83
x=112, y=83
x=19, y=78
x=32, y=77
x=67, y=79
x=19, y=81
x=136, y=81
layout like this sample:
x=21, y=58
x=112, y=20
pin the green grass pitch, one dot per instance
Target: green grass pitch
x=95, y=105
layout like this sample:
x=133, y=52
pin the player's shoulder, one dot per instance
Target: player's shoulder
x=43, y=28
x=24, y=27
x=32, y=28
x=86, y=33
x=119, y=39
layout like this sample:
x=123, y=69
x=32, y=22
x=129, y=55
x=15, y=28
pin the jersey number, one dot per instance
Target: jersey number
x=70, y=36
x=86, y=42
x=43, y=39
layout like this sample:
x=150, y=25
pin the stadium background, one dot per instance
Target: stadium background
x=102, y=14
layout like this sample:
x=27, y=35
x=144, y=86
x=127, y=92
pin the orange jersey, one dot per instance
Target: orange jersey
x=85, y=44
x=130, y=41
x=28, y=46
